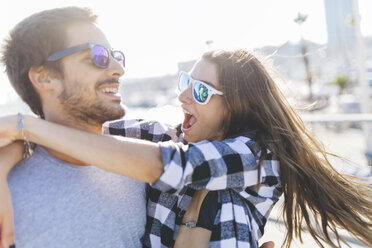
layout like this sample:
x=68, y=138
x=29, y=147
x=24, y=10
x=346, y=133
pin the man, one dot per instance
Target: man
x=61, y=65
x=59, y=201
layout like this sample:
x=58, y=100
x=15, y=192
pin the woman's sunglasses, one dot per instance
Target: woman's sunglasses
x=100, y=55
x=202, y=92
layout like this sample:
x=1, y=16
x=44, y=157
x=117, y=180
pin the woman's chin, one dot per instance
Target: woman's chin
x=194, y=134
x=187, y=138
x=190, y=138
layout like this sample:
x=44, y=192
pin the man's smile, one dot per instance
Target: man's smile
x=110, y=90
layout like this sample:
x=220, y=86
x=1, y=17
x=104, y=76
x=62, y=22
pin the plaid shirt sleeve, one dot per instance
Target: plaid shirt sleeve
x=213, y=165
x=141, y=129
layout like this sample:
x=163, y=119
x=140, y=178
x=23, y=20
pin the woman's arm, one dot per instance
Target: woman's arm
x=138, y=159
x=9, y=156
x=134, y=158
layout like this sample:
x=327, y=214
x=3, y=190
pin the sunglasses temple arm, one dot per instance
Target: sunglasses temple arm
x=62, y=53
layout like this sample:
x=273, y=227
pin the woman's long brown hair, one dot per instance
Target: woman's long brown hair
x=315, y=194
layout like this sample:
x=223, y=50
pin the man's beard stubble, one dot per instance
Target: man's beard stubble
x=87, y=109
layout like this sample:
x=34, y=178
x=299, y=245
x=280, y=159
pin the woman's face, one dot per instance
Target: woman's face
x=203, y=122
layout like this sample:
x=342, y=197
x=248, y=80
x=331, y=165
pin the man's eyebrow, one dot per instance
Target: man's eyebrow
x=84, y=52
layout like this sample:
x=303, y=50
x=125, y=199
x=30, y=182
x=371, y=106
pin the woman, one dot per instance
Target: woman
x=240, y=129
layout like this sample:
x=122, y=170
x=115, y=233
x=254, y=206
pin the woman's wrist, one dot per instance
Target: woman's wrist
x=19, y=127
x=9, y=127
x=27, y=124
x=32, y=127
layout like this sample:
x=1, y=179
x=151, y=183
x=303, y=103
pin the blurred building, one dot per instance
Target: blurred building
x=340, y=29
x=149, y=92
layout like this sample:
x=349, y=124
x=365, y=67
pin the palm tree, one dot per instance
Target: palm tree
x=342, y=81
x=300, y=19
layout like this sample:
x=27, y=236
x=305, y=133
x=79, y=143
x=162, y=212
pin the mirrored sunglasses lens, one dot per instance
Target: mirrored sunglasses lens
x=183, y=82
x=100, y=56
x=200, y=92
x=119, y=57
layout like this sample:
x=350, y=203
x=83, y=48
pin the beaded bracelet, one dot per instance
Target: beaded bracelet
x=28, y=147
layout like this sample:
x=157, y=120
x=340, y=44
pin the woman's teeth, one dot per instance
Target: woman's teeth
x=189, y=120
x=186, y=112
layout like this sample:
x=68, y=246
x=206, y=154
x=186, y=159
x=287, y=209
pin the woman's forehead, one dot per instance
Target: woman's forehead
x=206, y=71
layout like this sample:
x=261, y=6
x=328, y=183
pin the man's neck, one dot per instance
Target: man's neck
x=92, y=127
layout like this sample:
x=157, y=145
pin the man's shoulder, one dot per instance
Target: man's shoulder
x=42, y=168
x=27, y=173
x=39, y=157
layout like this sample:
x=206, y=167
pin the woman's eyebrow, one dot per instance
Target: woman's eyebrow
x=207, y=82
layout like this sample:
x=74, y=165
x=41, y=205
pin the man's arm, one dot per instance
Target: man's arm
x=134, y=158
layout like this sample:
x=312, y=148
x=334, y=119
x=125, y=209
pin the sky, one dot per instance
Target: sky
x=156, y=35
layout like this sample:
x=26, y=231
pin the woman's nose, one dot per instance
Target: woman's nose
x=186, y=95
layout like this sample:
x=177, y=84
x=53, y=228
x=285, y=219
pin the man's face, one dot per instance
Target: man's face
x=89, y=93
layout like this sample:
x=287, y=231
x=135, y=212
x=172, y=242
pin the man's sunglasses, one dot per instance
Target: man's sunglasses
x=202, y=92
x=100, y=55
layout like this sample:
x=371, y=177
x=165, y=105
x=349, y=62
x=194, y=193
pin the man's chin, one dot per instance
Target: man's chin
x=100, y=113
x=116, y=113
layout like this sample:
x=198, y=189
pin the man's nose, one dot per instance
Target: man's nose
x=115, y=68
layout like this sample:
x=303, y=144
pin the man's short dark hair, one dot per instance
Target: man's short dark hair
x=31, y=42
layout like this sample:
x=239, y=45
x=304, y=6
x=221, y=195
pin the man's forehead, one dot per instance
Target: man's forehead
x=81, y=33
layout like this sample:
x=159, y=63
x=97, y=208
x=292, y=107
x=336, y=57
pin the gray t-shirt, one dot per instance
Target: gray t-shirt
x=57, y=204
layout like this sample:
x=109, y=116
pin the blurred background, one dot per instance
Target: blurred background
x=321, y=50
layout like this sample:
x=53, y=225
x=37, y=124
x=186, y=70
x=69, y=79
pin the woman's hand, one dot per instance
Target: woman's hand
x=8, y=130
x=269, y=244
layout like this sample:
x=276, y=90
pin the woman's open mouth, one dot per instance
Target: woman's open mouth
x=188, y=122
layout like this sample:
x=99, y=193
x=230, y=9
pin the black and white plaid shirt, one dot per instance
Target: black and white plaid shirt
x=227, y=167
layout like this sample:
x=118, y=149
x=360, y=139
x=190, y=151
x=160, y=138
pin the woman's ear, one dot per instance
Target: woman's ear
x=40, y=78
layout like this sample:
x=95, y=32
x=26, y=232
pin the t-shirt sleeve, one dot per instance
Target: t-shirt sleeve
x=213, y=165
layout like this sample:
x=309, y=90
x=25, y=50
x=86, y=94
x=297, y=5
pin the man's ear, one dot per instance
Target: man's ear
x=41, y=78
